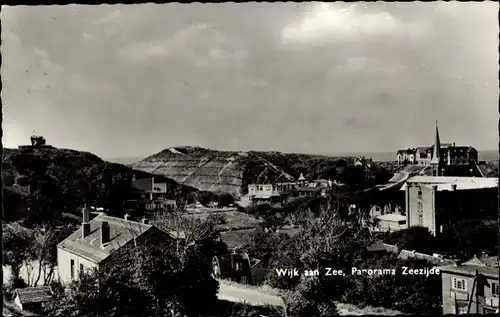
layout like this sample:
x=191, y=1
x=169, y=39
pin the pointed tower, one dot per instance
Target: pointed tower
x=436, y=153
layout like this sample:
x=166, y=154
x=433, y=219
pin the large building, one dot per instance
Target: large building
x=149, y=194
x=435, y=202
x=471, y=287
x=94, y=244
x=439, y=155
x=278, y=192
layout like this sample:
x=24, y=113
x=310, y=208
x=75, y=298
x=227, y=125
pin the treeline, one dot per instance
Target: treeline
x=468, y=238
x=331, y=237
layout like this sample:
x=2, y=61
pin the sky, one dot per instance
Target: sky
x=132, y=80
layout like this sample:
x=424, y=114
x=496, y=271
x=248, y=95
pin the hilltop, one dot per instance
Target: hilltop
x=231, y=171
x=60, y=180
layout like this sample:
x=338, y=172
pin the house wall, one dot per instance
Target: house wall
x=461, y=297
x=160, y=188
x=478, y=303
x=424, y=204
x=17, y=301
x=64, y=258
x=390, y=225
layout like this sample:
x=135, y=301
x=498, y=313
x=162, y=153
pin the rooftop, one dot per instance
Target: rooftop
x=391, y=217
x=445, y=182
x=31, y=295
x=485, y=265
x=434, y=259
x=380, y=246
x=121, y=232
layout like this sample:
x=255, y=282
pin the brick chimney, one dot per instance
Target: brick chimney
x=145, y=221
x=86, y=222
x=104, y=233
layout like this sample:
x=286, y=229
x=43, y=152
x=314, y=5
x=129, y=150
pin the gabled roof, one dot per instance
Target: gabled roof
x=121, y=232
x=30, y=295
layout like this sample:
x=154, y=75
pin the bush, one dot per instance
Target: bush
x=225, y=200
x=418, y=239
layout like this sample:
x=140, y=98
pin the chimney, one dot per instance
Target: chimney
x=454, y=187
x=127, y=216
x=145, y=221
x=85, y=224
x=104, y=233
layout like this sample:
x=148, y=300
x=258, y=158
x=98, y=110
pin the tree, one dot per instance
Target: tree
x=225, y=200
x=418, y=239
x=17, y=241
x=44, y=253
x=310, y=299
x=109, y=186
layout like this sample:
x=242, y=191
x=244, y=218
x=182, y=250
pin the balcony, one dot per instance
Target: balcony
x=459, y=295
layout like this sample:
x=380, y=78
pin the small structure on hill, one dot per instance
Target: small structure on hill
x=37, y=142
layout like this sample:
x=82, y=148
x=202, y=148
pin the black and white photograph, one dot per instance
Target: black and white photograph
x=250, y=159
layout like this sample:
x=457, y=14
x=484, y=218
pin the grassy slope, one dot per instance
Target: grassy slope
x=229, y=171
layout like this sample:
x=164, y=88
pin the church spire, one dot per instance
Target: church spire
x=436, y=155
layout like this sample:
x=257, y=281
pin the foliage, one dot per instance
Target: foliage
x=470, y=238
x=418, y=239
x=310, y=299
x=17, y=241
x=206, y=197
x=330, y=237
x=243, y=309
x=225, y=200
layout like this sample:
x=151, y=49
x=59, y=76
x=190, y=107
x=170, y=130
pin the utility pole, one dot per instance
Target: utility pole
x=498, y=210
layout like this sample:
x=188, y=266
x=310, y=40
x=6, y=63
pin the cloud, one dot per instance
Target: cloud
x=328, y=20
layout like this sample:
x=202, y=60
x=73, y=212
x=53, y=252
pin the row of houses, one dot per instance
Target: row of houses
x=278, y=192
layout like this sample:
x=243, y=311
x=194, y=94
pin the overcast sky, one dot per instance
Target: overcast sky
x=129, y=81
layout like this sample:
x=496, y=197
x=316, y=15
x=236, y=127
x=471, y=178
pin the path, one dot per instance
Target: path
x=239, y=294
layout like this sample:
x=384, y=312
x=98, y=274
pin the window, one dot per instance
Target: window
x=238, y=266
x=459, y=284
x=72, y=268
x=261, y=187
x=420, y=206
x=495, y=289
x=81, y=269
x=419, y=193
